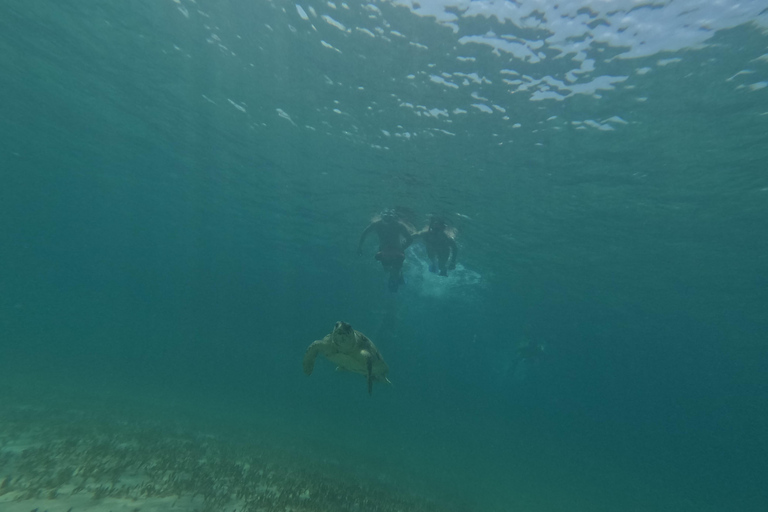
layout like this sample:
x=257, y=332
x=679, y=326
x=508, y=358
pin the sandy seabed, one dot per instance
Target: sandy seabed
x=73, y=462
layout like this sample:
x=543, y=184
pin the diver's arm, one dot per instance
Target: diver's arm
x=406, y=235
x=454, y=252
x=362, y=237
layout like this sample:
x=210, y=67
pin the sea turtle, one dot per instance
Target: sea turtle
x=351, y=350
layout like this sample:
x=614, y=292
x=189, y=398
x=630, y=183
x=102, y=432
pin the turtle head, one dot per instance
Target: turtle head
x=343, y=335
x=388, y=216
x=342, y=327
x=437, y=224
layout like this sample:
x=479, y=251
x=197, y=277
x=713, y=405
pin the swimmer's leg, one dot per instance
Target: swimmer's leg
x=434, y=265
x=394, y=282
x=442, y=262
x=395, y=278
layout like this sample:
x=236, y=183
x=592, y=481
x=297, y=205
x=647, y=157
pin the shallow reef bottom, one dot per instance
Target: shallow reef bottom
x=75, y=462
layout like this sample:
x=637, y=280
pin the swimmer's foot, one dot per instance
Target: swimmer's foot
x=395, y=282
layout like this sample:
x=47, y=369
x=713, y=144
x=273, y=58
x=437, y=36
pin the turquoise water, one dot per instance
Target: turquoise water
x=183, y=185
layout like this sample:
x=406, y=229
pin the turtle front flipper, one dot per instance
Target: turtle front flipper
x=310, y=355
x=369, y=366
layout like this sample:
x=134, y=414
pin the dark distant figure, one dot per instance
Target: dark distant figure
x=441, y=246
x=529, y=357
x=530, y=351
x=394, y=237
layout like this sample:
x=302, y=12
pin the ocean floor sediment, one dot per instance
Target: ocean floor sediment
x=75, y=462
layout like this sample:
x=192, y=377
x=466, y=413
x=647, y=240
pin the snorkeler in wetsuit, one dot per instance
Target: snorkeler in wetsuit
x=528, y=350
x=441, y=246
x=394, y=237
x=529, y=356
